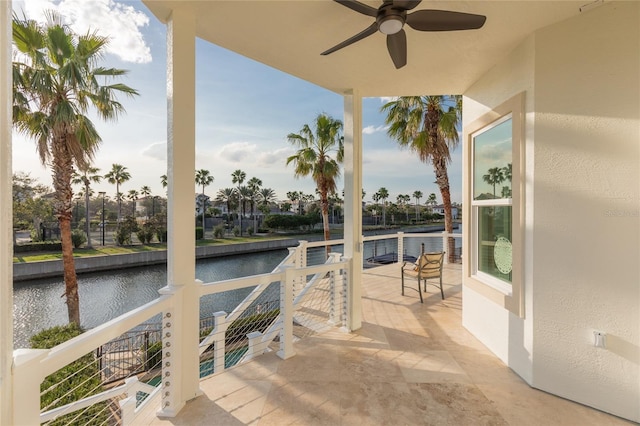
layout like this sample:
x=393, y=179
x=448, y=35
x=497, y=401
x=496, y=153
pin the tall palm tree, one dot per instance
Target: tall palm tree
x=163, y=181
x=295, y=196
x=403, y=200
x=417, y=195
x=267, y=196
x=204, y=179
x=133, y=195
x=227, y=196
x=383, y=194
x=117, y=176
x=315, y=157
x=145, y=191
x=244, y=194
x=254, y=185
x=238, y=178
x=494, y=176
x=427, y=125
x=89, y=174
x=431, y=201
x=56, y=82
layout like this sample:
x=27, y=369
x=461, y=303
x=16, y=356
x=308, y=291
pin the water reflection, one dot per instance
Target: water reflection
x=39, y=304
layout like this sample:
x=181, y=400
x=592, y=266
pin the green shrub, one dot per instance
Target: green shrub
x=250, y=231
x=78, y=238
x=218, y=231
x=39, y=246
x=126, y=228
x=199, y=232
x=236, y=231
x=73, y=382
x=161, y=235
x=154, y=356
x=145, y=233
x=257, y=322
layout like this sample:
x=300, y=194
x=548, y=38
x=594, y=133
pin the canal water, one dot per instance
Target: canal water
x=39, y=304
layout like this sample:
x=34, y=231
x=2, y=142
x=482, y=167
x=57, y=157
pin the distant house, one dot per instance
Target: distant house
x=440, y=210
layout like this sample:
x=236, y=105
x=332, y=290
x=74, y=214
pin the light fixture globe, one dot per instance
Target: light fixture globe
x=390, y=24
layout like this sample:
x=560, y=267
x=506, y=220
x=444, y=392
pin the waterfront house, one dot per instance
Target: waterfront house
x=556, y=300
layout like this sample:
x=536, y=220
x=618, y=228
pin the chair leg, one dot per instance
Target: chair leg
x=419, y=292
x=441, y=290
x=402, y=279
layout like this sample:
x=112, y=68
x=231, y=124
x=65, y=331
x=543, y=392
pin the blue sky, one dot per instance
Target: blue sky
x=244, y=112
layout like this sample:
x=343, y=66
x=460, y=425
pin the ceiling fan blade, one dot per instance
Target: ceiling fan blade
x=359, y=7
x=365, y=33
x=406, y=4
x=397, y=46
x=444, y=20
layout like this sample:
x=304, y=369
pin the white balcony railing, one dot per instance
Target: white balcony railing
x=129, y=357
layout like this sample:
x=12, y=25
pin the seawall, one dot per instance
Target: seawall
x=53, y=268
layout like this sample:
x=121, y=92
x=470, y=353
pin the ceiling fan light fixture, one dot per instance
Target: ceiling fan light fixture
x=391, y=25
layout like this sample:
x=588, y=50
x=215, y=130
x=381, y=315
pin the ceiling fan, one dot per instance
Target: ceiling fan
x=391, y=17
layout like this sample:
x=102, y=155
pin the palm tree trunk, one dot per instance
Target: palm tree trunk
x=62, y=172
x=442, y=180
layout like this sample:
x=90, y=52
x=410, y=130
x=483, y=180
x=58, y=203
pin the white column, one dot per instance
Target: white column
x=6, y=218
x=181, y=260
x=353, y=205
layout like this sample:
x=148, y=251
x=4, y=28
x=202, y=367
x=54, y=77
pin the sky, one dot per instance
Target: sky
x=244, y=112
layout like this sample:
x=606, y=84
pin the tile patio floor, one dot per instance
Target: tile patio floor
x=410, y=364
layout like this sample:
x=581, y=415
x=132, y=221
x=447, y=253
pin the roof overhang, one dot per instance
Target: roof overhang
x=289, y=36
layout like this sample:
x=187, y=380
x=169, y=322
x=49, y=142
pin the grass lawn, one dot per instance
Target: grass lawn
x=111, y=250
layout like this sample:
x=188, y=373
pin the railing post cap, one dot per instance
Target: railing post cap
x=219, y=314
x=23, y=356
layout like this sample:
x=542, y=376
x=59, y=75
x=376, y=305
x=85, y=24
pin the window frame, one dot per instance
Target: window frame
x=509, y=296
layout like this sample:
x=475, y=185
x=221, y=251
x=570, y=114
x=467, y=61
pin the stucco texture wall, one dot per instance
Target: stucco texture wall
x=581, y=80
x=587, y=236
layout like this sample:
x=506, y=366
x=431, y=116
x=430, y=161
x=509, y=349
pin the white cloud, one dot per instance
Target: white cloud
x=236, y=152
x=369, y=130
x=120, y=22
x=386, y=99
x=157, y=151
x=279, y=156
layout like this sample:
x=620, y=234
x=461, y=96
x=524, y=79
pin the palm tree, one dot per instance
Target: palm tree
x=267, y=196
x=403, y=200
x=117, y=176
x=227, y=196
x=494, y=176
x=431, y=201
x=254, y=185
x=417, y=195
x=88, y=175
x=54, y=87
x=295, y=196
x=145, y=191
x=427, y=125
x=238, y=177
x=244, y=194
x=204, y=179
x=314, y=157
x=163, y=181
x=383, y=194
x=133, y=197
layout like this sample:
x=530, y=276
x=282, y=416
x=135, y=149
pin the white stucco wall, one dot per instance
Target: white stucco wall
x=582, y=204
x=587, y=234
x=507, y=335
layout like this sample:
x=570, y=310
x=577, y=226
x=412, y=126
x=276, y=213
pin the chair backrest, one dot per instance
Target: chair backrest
x=430, y=264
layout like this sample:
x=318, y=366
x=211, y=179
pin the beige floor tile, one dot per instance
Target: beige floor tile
x=411, y=363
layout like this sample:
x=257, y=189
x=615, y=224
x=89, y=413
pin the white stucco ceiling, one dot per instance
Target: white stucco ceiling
x=289, y=36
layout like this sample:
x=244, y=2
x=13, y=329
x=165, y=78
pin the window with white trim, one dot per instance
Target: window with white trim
x=492, y=160
x=494, y=204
